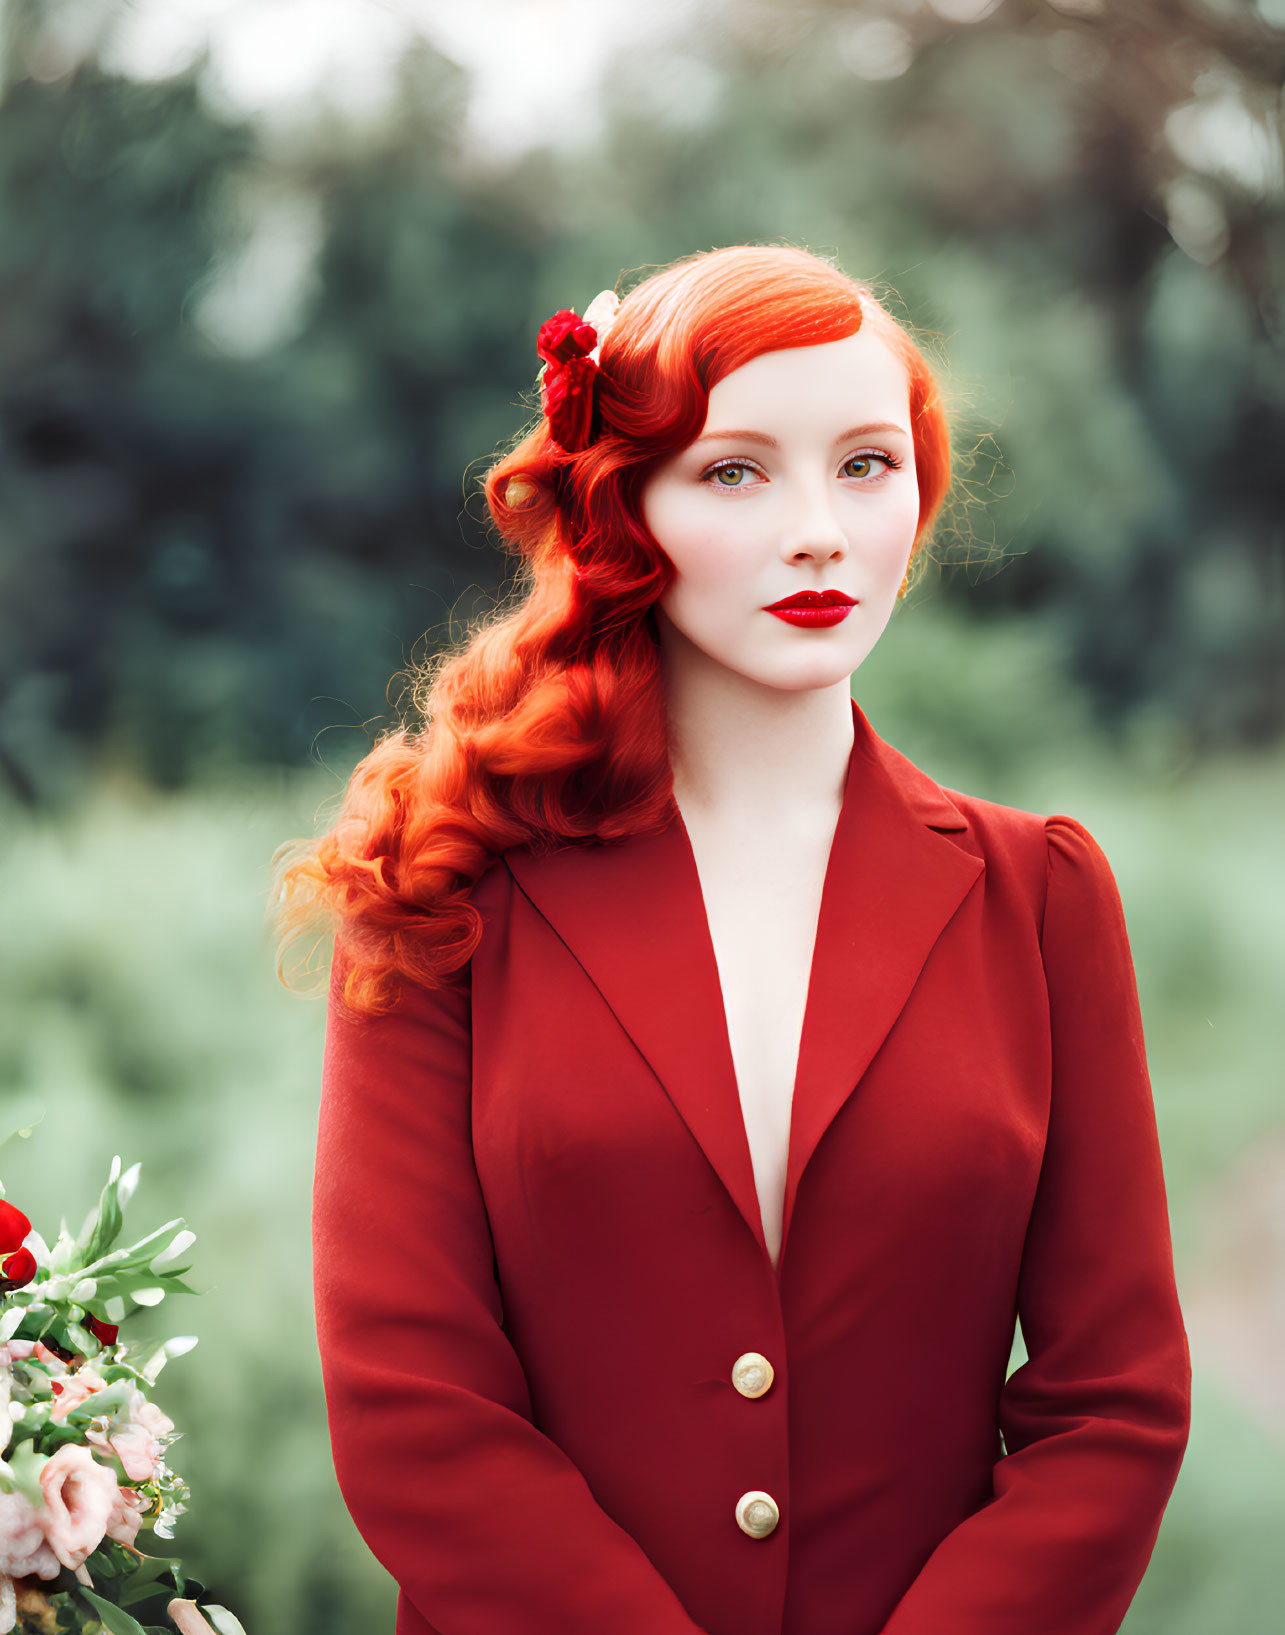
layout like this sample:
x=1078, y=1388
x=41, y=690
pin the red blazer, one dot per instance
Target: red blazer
x=544, y=1299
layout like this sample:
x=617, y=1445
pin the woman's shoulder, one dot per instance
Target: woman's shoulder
x=1010, y=839
x=1056, y=854
x=1061, y=836
x=993, y=821
x=997, y=831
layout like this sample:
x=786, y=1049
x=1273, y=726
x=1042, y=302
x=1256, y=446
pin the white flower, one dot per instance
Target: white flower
x=601, y=313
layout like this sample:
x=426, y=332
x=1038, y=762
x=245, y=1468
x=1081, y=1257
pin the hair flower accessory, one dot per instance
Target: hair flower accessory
x=570, y=345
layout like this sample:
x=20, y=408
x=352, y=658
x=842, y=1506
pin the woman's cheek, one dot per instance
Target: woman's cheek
x=887, y=543
x=718, y=566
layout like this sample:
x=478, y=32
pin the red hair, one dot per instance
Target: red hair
x=546, y=728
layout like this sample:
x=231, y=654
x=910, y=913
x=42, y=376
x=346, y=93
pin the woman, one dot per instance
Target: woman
x=707, y=1089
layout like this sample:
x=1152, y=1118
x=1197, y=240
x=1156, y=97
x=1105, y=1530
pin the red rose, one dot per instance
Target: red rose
x=568, y=402
x=564, y=337
x=17, y=1265
x=14, y=1227
x=104, y=1333
x=16, y=1269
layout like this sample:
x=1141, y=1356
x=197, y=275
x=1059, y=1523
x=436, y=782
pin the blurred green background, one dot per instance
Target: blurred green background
x=270, y=278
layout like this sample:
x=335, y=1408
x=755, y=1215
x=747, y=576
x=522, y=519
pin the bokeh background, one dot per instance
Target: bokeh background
x=270, y=278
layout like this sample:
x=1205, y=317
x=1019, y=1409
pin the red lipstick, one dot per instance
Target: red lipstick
x=813, y=609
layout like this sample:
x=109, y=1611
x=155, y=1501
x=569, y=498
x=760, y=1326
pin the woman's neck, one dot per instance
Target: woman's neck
x=740, y=748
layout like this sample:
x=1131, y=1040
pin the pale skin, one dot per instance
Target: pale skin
x=759, y=710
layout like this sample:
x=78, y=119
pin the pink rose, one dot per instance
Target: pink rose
x=127, y=1515
x=16, y=1350
x=71, y=1392
x=137, y=1445
x=80, y=1496
x=23, y=1549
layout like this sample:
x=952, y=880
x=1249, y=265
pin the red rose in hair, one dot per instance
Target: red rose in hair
x=564, y=342
x=568, y=403
x=565, y=336
x=17, y=1265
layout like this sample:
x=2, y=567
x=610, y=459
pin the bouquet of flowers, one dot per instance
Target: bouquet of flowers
x=82, y=1447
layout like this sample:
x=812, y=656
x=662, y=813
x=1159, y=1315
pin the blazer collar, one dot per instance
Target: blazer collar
x=632, y=914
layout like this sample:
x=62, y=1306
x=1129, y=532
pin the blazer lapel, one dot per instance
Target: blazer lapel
x=632, y=915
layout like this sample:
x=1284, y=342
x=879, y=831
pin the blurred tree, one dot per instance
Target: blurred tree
x=200, y=549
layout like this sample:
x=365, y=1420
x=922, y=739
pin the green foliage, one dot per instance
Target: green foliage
x=141, y=1592
x=115, y=1620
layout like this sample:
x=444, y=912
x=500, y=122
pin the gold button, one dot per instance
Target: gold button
x=756, y=1513
x=752, y=1374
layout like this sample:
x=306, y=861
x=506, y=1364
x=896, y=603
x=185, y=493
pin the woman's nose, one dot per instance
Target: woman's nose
x=816, y=531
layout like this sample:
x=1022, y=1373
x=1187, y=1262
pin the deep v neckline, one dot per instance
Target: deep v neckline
x=630, y=913
x=810, y=983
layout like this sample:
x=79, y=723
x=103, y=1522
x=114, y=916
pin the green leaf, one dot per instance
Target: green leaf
x=173, y=1282
x=104, y=1401
x=25, y=1465
x=114, y=1619
x=82, y=1340
x=110, y=1218
x=124, y=1280
x=154, y=1578
x=145, y=1575
x=133, y=1255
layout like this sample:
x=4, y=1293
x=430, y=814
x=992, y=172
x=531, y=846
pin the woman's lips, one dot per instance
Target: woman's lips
x=812, y=609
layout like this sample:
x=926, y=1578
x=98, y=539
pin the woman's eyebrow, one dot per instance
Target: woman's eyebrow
x=747, y=436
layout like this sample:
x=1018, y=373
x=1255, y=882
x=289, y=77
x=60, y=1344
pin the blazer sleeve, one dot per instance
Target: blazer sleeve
x=487, y=1526
x=1095, y=1422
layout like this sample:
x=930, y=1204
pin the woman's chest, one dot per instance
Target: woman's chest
x=761, y=898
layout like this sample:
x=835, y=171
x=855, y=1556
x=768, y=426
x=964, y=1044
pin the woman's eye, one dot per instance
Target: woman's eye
x=864, y=460
x=722, y=473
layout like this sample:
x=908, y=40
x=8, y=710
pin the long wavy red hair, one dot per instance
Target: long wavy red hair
x=546, y=728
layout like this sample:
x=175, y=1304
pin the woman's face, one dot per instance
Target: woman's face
x=802, y=480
